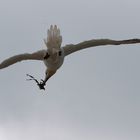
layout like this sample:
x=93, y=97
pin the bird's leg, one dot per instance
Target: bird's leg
x=46, y=56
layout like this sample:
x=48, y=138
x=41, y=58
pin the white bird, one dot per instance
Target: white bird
x=53, y=56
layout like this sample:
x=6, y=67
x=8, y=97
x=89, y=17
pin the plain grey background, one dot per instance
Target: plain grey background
x=96, y=93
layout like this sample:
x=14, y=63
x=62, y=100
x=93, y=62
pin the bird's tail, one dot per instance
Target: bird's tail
x=54, y=39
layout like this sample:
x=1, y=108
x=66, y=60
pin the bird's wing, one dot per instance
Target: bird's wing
x=68, y=49
x=39, y=55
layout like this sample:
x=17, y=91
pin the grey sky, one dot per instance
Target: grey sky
x=96, y=93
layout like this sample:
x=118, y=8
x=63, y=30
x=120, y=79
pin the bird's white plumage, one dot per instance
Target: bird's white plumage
x=39, y=55
x=71, y=48
x=55, y=63
x=54, y=39
x=53, y=56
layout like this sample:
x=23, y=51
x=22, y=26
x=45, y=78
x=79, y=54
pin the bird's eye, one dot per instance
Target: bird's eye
x=59, y=53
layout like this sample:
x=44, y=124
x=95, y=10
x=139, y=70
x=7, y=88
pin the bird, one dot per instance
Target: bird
x=54, y=54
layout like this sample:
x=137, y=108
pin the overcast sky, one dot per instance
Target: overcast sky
x=95, y=95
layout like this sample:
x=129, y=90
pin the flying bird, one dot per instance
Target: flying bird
x=53, y=56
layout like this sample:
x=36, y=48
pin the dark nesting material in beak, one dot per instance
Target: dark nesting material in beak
x=40, y=84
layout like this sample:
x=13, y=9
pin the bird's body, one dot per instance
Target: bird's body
x=53, y=56
x=54, y=62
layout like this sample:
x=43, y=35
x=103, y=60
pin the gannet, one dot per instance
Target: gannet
x=53, y=56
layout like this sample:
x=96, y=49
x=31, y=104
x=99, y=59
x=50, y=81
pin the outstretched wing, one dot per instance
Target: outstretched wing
x=39, y=55
x=68, y=49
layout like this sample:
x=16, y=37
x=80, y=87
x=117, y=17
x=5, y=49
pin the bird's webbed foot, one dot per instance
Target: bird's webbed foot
x=41, y=84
